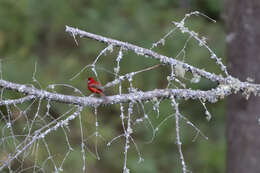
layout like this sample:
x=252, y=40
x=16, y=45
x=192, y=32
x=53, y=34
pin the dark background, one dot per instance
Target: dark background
x=34, y=31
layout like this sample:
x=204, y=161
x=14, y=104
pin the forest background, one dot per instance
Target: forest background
x=34, y=31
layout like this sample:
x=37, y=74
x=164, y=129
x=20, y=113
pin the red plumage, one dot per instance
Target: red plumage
x=94, y=86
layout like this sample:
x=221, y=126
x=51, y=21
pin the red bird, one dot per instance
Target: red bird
x=95, y=87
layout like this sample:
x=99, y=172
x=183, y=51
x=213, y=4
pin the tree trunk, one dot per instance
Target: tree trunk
x=243, y=128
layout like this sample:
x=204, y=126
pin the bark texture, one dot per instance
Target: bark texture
x=243, y=129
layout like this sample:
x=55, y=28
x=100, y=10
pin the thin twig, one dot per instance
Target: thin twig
x=17, y=101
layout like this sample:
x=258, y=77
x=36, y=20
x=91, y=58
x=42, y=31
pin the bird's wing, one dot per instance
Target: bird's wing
x=96, y=86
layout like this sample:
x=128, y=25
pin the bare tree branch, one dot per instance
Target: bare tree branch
x=39, y=134
x=147, y=53
x=211, y=95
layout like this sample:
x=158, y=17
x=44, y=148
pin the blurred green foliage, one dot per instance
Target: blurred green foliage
x=34, y=31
